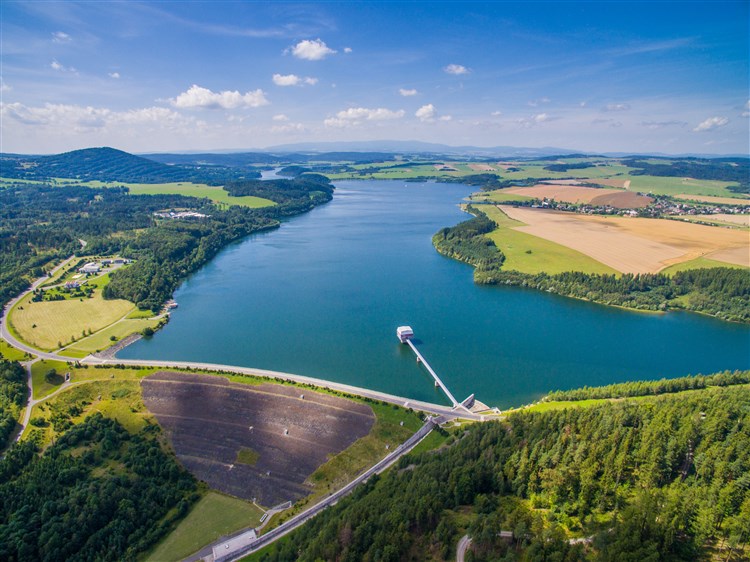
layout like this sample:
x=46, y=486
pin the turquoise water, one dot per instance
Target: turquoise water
x=322, y=296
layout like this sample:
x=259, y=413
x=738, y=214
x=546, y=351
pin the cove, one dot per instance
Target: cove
x=322, y=297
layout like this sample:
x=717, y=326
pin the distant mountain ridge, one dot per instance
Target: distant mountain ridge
x=107, y=164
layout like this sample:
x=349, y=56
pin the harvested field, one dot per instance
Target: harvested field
x=208, y=420
x=634, y=245
x=569, y=193
x=612, y=182
x=739, y=200
x=720, y=218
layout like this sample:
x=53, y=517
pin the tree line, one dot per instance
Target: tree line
x=723, y=292
x=652, y=388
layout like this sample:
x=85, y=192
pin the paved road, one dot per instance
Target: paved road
x=463, y=544
x=5, y=332
x=288, y=526
x=436, y=409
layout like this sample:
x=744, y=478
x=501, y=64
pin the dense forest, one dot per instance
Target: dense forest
x=723, y=292
x=647, y=480
x=720, y=169
x=13, y=393
x=466, y=242
x=40, y=224
x=109, y=164
x=652, y=388
x=98, y=493
x=293, y=196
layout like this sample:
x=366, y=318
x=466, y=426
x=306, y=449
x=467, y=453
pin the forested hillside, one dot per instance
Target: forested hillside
x=98, y=493
x=657, y=479
x=40, y=224
x=13, y=393
x=109, y=164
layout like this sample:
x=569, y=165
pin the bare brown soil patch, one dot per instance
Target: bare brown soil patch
x=622, y=200
x=208, y=420
x=709, y=199
x=568, y=193
x=634, y=245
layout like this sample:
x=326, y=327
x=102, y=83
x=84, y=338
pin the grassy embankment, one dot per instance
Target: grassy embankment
x=530, y=254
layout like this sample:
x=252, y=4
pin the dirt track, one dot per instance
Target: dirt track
x=209, y=419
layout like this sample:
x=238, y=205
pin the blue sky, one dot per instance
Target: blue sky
x=170, y=76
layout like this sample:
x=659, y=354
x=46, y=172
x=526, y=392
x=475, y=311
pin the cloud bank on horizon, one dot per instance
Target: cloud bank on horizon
x=151, y=76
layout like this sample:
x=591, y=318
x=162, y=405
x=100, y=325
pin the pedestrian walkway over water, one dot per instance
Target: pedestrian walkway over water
x=440, y=383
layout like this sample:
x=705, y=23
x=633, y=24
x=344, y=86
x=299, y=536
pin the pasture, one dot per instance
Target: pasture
x=103, y=339
x=634, y=245
x=531, y=254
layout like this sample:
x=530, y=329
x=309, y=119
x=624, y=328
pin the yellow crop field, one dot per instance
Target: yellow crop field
x=635, y=245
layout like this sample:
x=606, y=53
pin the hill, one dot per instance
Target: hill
x=109, y=164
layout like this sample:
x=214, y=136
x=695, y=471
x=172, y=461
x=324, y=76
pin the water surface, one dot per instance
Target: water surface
x=322, y=296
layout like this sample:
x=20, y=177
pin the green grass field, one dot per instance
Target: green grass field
x=45, y=325
x=214, y=193
x=41, y=387
x=698, y=263
x=10, y=353
x=673, y=186
x=530, y=254
x=214, y=516
x=102, y=340
x=498, y=196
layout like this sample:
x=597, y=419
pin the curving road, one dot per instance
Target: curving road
x=288, y=526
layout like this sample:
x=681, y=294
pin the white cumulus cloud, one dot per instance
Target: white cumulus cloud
x=496, y=113
x=293, y=80
x=711, y=123
x=456, y=69
x=311, y=50
x=347, y=50
x=426, y=113
x=280, y=117
x=286, y=79
x=406, y=93
x=617, y=107
x=357, y=115
x=197, y=96
x=114, y=75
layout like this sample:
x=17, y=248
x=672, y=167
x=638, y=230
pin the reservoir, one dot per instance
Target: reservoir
x=322, y=297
